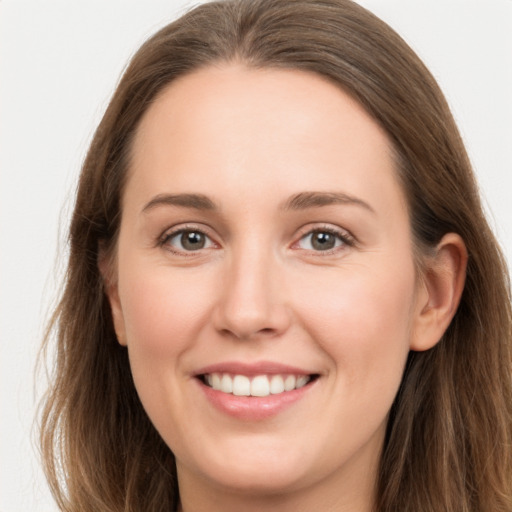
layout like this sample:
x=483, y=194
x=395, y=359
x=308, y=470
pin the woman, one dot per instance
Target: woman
x=282, y=291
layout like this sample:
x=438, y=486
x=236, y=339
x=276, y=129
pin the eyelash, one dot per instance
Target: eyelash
x=346, y=239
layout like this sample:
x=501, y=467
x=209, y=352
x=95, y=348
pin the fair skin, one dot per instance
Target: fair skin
x=264, y=233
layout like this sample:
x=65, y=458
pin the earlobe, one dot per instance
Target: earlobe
x=112, y=293
x=117, y=313
x=441, y=290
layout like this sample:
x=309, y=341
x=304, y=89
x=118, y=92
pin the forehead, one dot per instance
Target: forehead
x=230, y=128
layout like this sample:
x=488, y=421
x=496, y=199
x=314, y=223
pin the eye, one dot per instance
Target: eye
x=187, y=240
x=324, y=240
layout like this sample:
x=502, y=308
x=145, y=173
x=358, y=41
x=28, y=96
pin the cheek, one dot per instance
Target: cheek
x=362, y=315
x=163, y=311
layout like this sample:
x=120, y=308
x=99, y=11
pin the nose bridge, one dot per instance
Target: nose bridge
x=252, y=302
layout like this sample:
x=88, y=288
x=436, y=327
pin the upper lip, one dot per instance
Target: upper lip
x=252, y=369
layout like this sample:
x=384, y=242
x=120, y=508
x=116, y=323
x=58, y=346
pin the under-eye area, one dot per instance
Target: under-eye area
x=258, y=385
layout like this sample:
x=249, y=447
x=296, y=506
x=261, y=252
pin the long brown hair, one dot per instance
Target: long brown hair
x=449, y=436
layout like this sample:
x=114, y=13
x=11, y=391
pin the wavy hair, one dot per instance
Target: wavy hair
x=448, y=442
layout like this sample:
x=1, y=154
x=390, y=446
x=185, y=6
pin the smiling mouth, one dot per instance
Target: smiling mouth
x=257, y=386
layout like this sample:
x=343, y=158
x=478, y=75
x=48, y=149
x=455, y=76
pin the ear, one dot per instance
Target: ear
x=108, y=273
x=439, y=292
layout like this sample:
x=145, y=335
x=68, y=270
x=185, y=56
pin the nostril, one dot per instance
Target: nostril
x=247, y=334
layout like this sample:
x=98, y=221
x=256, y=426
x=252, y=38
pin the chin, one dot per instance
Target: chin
x=260, y=470
x=268, y=481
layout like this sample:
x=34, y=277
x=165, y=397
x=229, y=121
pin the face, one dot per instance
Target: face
x=266, y=288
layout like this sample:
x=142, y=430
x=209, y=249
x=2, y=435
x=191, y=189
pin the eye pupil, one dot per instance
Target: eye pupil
x=322, y=241
x=192, y=240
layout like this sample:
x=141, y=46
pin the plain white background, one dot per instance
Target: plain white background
x=59, y=63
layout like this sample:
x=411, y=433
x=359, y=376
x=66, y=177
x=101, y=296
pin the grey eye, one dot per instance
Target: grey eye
x=321, y=240
x=188, y=240
x=192, y=240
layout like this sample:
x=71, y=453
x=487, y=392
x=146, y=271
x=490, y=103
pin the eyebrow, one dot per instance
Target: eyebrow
x=306, y=200
x=301, y=201
x=194, y=201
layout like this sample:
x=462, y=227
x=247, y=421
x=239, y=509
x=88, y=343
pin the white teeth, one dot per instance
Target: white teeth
x=261, y=385
x=302, y=380
x=226, y=384
x=216, y=381
x=289, y=382
x=241, y=385
x=276, y=384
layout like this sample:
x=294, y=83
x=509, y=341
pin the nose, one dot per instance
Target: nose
x=252, y=303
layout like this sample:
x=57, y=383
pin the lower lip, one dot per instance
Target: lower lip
x=254, y=408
